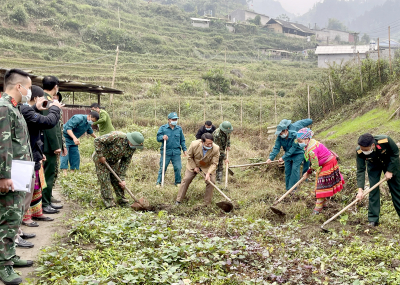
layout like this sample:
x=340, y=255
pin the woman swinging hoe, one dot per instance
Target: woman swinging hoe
x=329, y=179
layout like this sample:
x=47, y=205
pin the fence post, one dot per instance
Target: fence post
x=155, y=110
x=308, y=101
x=204, y=106
x=276, y=113
x=220, y=103
x=359, y=61
x=260, y=120
x=390, y=55
x=241, y=112
x=330, y=85
x=379, y=62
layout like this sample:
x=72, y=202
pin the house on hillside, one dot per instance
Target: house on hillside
x=200, y=23
x=330, y=36
x=289, y=29
x=245, y=15
x=275, y=53
x=328, y=55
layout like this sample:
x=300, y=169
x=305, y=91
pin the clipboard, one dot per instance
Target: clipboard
x=22, y=174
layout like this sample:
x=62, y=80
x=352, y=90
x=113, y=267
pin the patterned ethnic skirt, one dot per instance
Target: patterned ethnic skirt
x=35, y=209
x=330, y=180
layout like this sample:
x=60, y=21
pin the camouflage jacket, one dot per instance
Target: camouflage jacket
x=14, y=136
x=222, y=139
x=115, y=147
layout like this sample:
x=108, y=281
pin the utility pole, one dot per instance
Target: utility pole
x=359, y=61
x=390, y=56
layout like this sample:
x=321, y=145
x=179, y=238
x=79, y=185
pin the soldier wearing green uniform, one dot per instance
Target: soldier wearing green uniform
x=115, y=148
x=382, y=155
x=222, y=138
x=53, y=147
x=14, y=145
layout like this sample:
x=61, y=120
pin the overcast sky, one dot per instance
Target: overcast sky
x=298, y=6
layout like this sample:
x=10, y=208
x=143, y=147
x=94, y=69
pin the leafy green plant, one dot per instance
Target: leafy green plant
x=19, y=15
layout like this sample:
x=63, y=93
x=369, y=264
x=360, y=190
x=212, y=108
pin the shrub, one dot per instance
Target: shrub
x=190, y=87
x=217, y=81
x=19, y=15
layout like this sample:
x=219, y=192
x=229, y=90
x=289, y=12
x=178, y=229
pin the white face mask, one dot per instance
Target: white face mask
x=368, y=152
x=26, y=98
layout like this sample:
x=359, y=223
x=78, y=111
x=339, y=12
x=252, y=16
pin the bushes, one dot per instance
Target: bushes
x=190, y=87
x=19, y=16
x=217, y=81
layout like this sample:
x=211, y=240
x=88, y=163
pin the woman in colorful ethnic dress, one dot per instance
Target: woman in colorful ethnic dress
x=329, y=179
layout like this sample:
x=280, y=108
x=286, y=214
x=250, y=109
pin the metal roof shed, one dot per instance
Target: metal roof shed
x=328, y=55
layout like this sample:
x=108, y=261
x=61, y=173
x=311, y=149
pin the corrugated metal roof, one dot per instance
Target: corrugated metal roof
x=341, y=49
x=200, y=20
x=290, y=25
x=66, y=85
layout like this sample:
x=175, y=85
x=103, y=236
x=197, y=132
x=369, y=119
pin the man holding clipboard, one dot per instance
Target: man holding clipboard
x=14, y=149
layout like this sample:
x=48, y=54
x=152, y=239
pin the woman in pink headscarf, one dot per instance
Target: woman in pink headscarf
x=323, y=161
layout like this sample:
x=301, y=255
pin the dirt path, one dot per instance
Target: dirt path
x=44, y=234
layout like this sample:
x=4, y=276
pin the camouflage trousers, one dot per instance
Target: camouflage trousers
x=105, y=177
x=220, y=167
x=11, y=213
x=57, y=168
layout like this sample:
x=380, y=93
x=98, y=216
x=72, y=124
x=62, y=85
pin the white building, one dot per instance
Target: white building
x=200, y=23
x=245, y=15
x=329, y=36
x=328, y=55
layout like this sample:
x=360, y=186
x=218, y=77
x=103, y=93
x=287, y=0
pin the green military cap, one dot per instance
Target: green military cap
x=283, y=125
x=173, y=115
x=136, y=139
x=226, y=127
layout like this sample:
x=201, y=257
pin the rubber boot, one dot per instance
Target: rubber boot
x=219, y=176
x=9, y=276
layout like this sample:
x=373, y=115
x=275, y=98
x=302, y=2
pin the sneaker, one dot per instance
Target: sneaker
x=9, y=276
x=373, y=224
x=20, y=242
x=50, y=210
x=54, y=200
x=177, y=203
x=178, y=185
x=315, y=212
x=158, y=185
x=18, y=262
x=57, y=207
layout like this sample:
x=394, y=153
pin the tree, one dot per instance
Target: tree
x=283, y=17
x=335, y=24
x=366, y=39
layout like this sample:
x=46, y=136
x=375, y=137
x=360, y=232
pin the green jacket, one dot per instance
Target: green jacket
x=14, y=136
x=222, y=140
x=385, y=157
x=105, y=124
x=52, y=138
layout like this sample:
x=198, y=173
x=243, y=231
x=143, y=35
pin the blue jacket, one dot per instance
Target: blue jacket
x=176, y=139
x=288, y=144
x=79, y=125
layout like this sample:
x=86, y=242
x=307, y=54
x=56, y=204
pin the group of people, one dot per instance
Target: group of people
x=32, y=129
x=375, y=154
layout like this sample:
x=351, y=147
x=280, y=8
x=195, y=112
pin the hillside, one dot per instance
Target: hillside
x=375, y=22
x=344, y=11
x=161, y=55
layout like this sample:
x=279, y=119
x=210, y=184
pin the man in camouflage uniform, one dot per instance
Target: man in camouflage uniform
x=115, y=148
x=378, y=154
x=222, y=138
x=14, y=145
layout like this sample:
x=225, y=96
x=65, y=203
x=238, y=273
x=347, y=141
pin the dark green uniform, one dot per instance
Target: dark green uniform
x=385, y=157
x=14, y=145
x=52, y=140
x=223, y=140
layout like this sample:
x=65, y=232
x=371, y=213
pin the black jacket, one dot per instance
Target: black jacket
x=37, y=122
x=203, y=130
